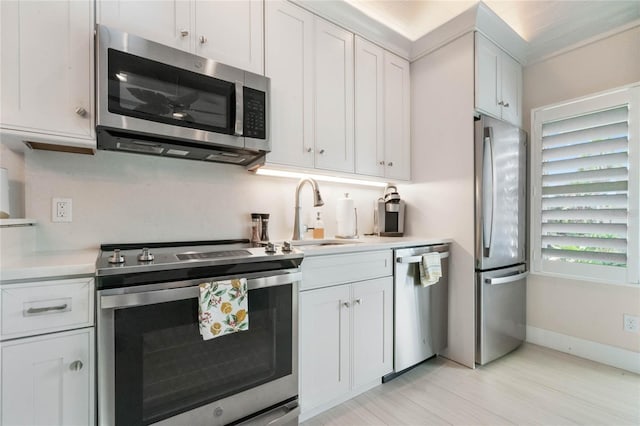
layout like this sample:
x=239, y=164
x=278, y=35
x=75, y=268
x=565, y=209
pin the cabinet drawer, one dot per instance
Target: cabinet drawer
x=46, y=306
x=323, y=271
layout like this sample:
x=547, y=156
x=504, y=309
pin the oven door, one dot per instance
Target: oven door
x=154, y=367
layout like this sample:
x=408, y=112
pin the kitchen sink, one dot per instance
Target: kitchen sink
x=322, y=243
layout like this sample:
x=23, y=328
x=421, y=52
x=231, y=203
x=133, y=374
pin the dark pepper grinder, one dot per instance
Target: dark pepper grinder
x=265, y=227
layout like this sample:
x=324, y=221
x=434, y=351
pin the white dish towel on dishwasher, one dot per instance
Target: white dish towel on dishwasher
x=223, y=308
x=430, y=269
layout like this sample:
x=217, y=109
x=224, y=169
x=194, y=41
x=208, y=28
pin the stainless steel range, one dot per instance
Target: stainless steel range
x=153, y=365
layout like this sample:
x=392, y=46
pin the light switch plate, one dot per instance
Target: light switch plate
x=61, y=210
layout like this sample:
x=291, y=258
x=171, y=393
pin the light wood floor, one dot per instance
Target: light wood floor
x=531, y=386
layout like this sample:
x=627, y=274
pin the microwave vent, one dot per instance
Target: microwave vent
x=142, y=147
x=177, y=152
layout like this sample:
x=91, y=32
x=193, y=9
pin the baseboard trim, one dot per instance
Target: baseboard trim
x=605, y=354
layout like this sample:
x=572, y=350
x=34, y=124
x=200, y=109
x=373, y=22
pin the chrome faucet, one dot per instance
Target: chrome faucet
x=317, y=202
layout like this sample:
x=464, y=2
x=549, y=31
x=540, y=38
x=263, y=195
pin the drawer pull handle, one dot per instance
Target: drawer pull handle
x=76, y=365
x=36, y=311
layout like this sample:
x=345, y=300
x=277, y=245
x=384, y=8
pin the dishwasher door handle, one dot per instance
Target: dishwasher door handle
x=418, y=259
x=507, y=279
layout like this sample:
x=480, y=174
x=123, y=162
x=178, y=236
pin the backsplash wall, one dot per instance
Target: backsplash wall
x=125, y=197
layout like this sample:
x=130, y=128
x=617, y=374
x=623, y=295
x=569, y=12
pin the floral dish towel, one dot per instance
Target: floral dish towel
x=223, y=308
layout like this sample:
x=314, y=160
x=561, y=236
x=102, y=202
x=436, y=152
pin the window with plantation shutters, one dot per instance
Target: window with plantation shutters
x=585, y=187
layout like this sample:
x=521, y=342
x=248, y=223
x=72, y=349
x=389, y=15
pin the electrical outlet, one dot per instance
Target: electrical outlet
x=61, y=210
x=631, y=323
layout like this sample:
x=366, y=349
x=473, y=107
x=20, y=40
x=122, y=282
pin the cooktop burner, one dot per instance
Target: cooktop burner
x=139, y=258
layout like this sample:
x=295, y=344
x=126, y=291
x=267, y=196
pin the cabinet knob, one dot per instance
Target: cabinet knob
x=505, y=104
x=346, y=304
x=357, y=301
x=381, y=163
x=390, y=164
x=203, y=39
x=309, y=149
x=321, y=151
x=76, y=365
x=184, y=33
x=500, y=103
x=81, y=112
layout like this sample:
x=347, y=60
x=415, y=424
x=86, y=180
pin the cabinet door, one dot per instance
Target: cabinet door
x=46, y=67
x=288, y=62
x=511, y=89
x=48, y=380
x=324, y=345
x=372, y=338
x=396, y=115
x=488, y=76
x=230, y=32
x=333, y=71
x=163, y=21
x=369, y=108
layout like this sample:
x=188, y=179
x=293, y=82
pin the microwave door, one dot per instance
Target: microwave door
x=501, y=194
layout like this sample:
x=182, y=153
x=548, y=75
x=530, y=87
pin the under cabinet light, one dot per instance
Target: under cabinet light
x=322, y=178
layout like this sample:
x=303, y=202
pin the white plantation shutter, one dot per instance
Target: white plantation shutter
x=585, y=169
x=586, y=192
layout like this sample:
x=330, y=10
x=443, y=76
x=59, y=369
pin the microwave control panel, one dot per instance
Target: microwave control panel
x=254, y=113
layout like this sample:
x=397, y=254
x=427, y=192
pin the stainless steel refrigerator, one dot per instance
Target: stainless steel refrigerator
x=500, y=237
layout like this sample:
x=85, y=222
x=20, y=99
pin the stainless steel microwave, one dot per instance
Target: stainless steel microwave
x=154, y=99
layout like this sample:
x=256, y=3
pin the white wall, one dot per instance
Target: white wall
x=121, y=197
x=441, y=201
x=586, y=310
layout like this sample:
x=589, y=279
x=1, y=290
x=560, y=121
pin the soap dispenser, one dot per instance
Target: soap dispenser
x=318, y=229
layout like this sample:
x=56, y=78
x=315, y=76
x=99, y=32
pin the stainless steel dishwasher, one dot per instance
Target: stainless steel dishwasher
x=420, y=313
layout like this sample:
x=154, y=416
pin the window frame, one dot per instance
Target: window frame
x=580, y=271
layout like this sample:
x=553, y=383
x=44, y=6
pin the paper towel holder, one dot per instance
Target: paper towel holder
x=355, y=213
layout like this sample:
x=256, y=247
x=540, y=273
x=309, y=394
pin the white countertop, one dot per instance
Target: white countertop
x=49, y=264
x=364, y=244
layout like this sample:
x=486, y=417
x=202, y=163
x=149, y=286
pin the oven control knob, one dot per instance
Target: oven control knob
x=270, y=248
x=286, y=246
x=218, y=411
x=145, y=256
x=116, y=257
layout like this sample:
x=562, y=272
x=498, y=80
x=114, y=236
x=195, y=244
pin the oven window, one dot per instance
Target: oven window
x=163, y=367
x=153, y=91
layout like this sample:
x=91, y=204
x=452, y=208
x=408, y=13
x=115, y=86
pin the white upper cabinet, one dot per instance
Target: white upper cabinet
x=289, y=60
x=397, y=100
x=369, y=108
x=164, y=21
x=310, y=63
x=382, y=102
x=498, y=82
x=230, y=32
x=46, y=71
x=333, y=97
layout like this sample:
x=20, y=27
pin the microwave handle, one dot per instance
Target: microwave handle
x=239, y=109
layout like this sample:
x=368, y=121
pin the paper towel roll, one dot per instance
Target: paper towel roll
x=346, y=217
x=4, y=194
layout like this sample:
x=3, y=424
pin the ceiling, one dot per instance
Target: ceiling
x=547, y=26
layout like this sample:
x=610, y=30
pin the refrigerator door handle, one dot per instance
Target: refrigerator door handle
x=507, y=279
x=488, y=192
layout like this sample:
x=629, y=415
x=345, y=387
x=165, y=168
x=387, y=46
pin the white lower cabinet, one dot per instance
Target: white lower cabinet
x=47, y=353
x=346, y=341
x=47, y=380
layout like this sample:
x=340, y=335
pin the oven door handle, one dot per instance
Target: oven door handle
x=126, y=300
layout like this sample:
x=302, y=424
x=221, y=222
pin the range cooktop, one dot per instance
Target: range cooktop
x=134, y=258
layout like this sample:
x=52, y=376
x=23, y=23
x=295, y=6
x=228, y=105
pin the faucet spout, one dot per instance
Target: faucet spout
x=317, y=202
